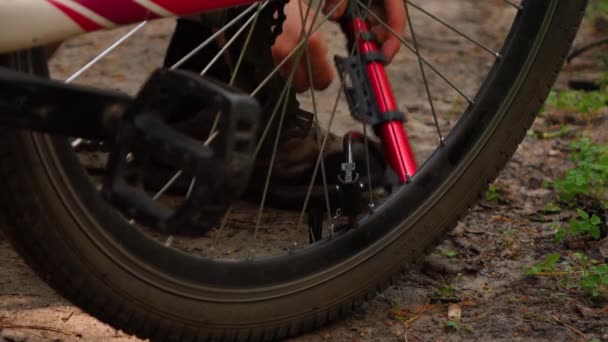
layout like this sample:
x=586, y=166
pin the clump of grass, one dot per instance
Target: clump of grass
x=584, y=274
x=584, y=102
x=589, y=176
x=547, y=265
x=584, y=223
x=493, y=195
x=587, y=179
x=597, y=8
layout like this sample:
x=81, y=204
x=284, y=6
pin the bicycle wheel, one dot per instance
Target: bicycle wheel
x=126, y=277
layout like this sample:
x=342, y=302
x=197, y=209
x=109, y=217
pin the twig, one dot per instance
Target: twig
x=579, y=50
x=415, y=317
x=417, y=314
x=568, y=326
x=479, y=318
x=557, y=273
x=5, y=325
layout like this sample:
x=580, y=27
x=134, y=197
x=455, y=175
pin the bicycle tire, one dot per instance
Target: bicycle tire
x=83, y=249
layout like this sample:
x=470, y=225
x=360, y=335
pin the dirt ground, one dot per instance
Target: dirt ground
x=488, y=250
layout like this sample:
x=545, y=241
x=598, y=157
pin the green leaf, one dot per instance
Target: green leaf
x=547, y=265
x=595, y=232
x=552, y=207
x=452, y=324
x=450, y=253
x=580, y=256
x=583, y=214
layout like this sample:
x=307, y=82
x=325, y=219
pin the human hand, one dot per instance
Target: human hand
x=322, y=71
x=392, y=12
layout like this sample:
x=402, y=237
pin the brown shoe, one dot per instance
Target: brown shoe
x=296, y=157
x=299, y=145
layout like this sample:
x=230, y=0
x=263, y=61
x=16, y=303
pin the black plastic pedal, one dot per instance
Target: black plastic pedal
x=221, y=169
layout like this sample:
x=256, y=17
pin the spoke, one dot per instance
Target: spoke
x=518, y=6
x=270, y=166
x=370, y=189
x=409, y=47
x=296, y=48
x=179, y=173
x=167, y=185
x=423, y=73
x=244, y=48
x=222, y=225
x=233, y=39
x=106, y=52
x=276, y=142
x=191, y=187
x=216, y=121
x=317, y=127
x=76, y=142
x=298, y=51
x=319, y=161
x=462, y=34
x=270, y=120
x=213, y=36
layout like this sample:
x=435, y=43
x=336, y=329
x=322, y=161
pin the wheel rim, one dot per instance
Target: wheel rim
x=250, y=267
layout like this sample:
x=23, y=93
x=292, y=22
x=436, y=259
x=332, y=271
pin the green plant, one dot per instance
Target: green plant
x=577, y=226
x=597, y=8
x=595, y=281
x=560, y=133
x=589, y=176
x=552, y=207
x=547, y=265
x=493, y=195
x=453, y=325
x=594, y=276
x=450, y=253
x=584, y=102
x=589, y=276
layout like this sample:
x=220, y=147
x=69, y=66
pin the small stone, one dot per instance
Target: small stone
x=454, y=312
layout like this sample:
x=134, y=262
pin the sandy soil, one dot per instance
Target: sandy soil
x=492, y=244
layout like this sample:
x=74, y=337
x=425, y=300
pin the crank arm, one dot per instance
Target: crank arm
x=47, y=106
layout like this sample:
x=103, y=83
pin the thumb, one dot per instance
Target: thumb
x=335, y=7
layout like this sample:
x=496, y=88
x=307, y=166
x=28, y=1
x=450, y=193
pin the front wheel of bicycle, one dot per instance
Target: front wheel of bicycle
x=90, y=254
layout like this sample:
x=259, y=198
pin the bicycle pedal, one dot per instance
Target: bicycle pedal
x=221, y=168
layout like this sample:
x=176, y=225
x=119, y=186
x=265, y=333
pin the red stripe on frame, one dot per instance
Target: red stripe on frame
x=119, y=11
x=184, y=7
x=82, y=21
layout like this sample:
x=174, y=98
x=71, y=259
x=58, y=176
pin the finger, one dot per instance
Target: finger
x=396, y=20
x=331, y=5
x=390, y=47
x=322, y=72
x=301, y=82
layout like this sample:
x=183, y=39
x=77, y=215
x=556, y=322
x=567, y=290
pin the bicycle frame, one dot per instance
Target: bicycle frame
x=30, y=23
